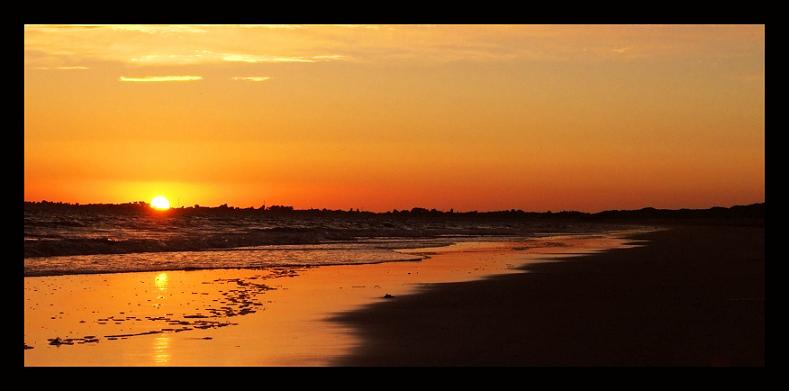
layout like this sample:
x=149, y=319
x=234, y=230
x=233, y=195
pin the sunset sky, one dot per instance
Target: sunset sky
x=381, y=117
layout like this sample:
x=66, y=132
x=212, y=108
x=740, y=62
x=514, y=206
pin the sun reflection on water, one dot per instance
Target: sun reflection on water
x=161, y=281
x=161, y=350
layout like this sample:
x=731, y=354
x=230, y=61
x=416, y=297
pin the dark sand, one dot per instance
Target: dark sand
x=692, y=296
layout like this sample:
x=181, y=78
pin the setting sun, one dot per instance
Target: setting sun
x=345, y=193
x=160, y=203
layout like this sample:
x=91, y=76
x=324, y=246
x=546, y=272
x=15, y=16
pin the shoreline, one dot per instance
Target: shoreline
x=693, y=296
x=98, y=264
x=157, y=318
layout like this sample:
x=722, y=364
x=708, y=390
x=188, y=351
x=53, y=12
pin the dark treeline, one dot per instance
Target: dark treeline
x=746, y=212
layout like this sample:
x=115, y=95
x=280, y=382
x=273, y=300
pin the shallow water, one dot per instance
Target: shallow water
x=67, y=233
x=243, y=257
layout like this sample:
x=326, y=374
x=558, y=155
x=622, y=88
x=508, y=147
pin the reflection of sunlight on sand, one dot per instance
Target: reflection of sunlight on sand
x=161, y=350
x=161, y=281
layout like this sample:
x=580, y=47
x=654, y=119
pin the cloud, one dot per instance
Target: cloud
x=176, y=45
x=329, y=57
x=249, y=58
x=68, y=68
x=268, y=26
x=173, y=59
x=138, y=28
x=160, y=78
x=208, y=57
x=145, y=45
x=252, y=78
x=154, y=29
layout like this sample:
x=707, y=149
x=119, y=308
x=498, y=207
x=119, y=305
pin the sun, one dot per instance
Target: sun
x=160, y=203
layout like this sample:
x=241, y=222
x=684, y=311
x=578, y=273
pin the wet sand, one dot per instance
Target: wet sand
x=694, y=296
x=280, y=316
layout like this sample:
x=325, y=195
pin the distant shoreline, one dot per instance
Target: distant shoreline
x=755, y=210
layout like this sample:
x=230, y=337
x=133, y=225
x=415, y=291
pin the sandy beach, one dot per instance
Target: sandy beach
x=252, y=317
x=694, y=296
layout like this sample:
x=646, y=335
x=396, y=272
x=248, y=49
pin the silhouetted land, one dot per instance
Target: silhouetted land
x=745, y=214
x=693, y=296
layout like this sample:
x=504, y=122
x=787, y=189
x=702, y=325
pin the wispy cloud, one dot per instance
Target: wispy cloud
x=172, y=59
x=143, y=45
x=242, y=45
x=252, y=78
x=249, y=58
x=154, y=29
x=268, y=26
x=69, y=68
x=160, y=78
x=329, y=57
x=208, y=57
x=137, y=28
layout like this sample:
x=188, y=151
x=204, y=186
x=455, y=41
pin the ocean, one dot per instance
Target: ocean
x=84, y=240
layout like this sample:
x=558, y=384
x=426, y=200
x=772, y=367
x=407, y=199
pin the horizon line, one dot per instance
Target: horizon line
x=359, y=210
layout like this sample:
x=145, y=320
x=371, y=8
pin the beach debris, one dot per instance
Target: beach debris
x=28, y=347
x=388, y=296
x=57, y=341
x=241, y=299
x=133, y=335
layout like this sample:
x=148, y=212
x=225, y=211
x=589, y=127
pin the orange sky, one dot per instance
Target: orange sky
x=381, y=117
